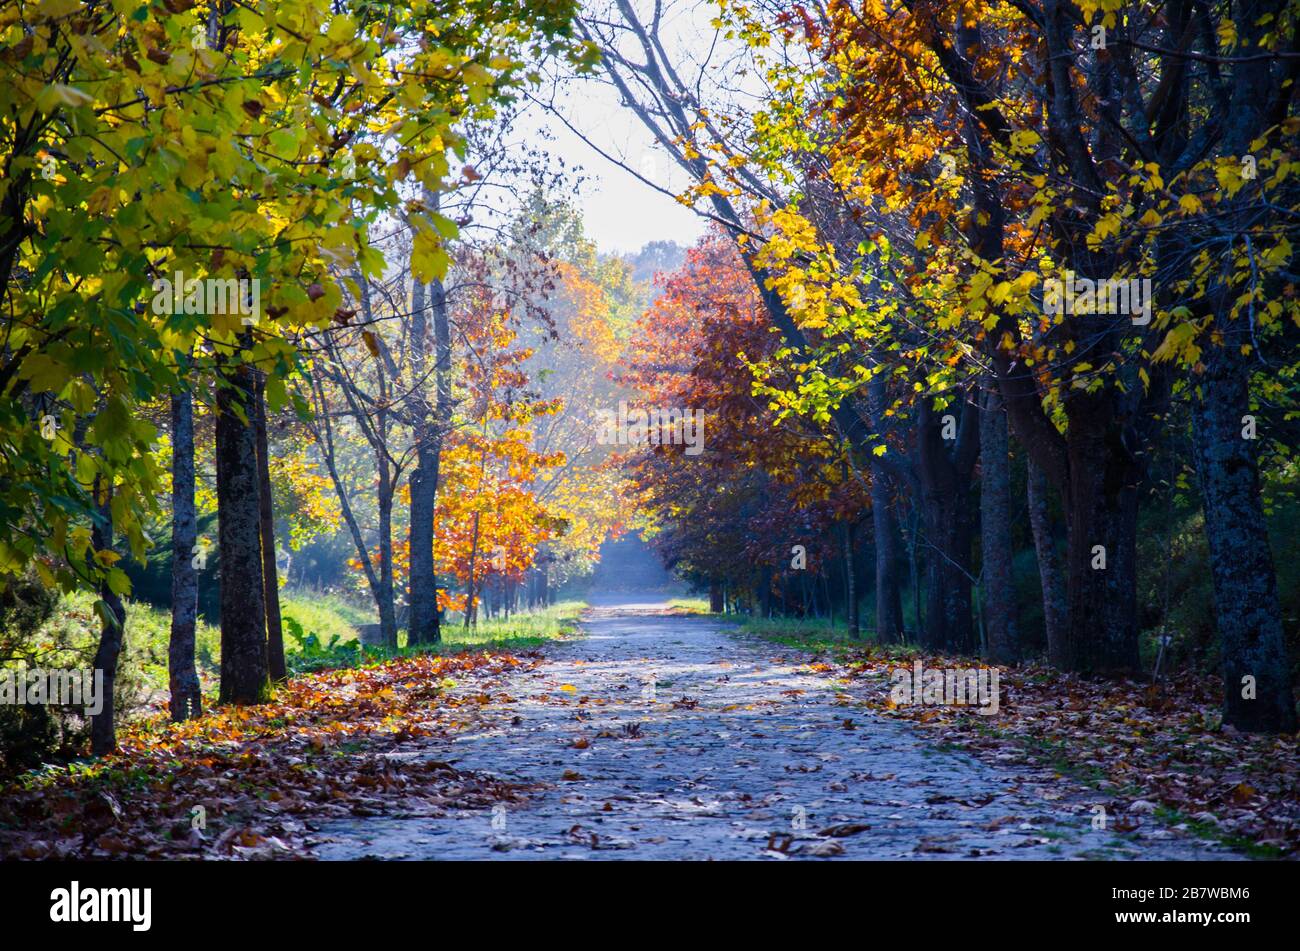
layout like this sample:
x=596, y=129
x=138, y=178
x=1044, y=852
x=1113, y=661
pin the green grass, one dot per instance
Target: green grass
x=690, y=605
x=521, y=632
x=326, y=614
x=1211, y=832
x=71, y=636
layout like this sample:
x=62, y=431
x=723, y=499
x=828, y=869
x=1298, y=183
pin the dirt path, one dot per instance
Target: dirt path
x=739, y=751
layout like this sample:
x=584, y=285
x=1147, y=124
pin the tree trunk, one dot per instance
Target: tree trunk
x=183, y=679
x=103, y=733
x=266, y=529
x=914, y=569
x=471, y=589
x=850, y=582
x=716, y=603
x=244, y=671
x=1102, y=555
x=387, y=610
x=995, y=532
x=945, y=501
x=889, y=602
x=424, y=487
x=430, y=426
x=1050, y=571
x=1247, y=612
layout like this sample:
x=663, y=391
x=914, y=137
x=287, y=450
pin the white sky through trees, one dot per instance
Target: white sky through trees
x=620, y=213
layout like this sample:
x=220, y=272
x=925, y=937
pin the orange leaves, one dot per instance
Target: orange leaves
x=238, y=782
x=321, y=707
x=589, y=324
x=489, y=520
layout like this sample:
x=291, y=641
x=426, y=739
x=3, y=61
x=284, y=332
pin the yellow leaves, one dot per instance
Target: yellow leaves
x=100, y=201
x=119, y=584
x=1277, y=256
x=54, y=9
x=342, y=29
x=979, y=284
x=429, y=259
x=11, y=559
x=284, y=142
x=1107, y=226
x=999, y=292
x=1227, y=33
x=107, y=557
x=1024, y=141
x=1154, y=182
x=1179, y=344
x=1189, y=204
x=44, y=573
x=86, y=470
x=1151, y=219
x=58, y=94
x=1228, y=173
x=475, y=75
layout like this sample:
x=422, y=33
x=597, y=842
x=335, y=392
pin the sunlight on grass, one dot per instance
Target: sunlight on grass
x=520, y=632
x=529, y=629
x=689, y=605
x=325, y=613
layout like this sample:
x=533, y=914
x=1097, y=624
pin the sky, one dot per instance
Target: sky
x=621, y=213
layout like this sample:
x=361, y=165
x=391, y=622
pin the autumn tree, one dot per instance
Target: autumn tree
x=203, y=141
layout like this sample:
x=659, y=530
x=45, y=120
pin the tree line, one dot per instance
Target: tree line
x=919, y=187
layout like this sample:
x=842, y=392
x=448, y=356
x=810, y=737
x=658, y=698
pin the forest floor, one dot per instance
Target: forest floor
x=657, y=735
